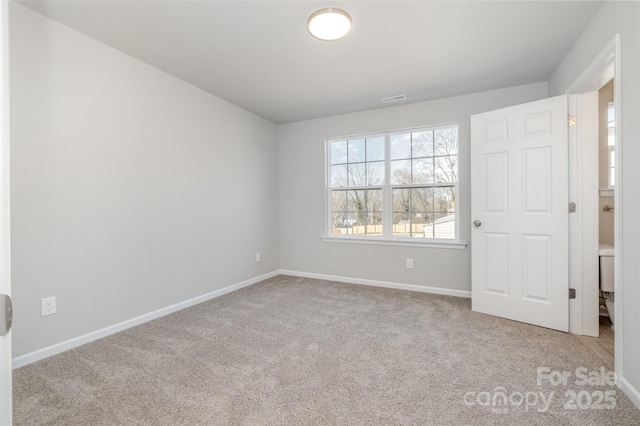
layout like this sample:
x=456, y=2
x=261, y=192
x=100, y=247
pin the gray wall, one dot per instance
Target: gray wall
x=622, y=18
x=302, y=189
x=131, y=190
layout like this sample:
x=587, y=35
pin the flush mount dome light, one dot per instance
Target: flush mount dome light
x=329, y=24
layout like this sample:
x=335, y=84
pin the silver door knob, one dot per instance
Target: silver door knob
x=477, y=223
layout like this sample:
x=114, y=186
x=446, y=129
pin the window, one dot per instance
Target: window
x=611, y=142
x=395, y=186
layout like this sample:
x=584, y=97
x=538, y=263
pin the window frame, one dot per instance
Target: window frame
x=387, y=237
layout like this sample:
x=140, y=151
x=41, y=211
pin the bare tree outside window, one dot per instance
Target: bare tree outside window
x=424, y=176
x=358, y=167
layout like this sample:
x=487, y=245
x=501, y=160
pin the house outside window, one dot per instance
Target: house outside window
x=397, y=186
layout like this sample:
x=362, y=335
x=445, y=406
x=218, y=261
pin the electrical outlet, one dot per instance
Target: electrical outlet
x=409, y=262
x=47, y=306
x=258, y=257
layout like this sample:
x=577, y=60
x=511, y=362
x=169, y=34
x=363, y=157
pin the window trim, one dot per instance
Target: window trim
x=387, y=238
x=407, y=242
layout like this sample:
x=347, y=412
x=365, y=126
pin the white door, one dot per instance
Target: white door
x=5, y=260
x=519, y=209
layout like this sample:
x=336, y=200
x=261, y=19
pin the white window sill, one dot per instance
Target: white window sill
x=606, y=192
x=441, y=244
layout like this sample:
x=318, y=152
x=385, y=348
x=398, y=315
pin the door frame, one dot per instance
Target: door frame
x=603, y=68
x=5, y=240
x=584, y=223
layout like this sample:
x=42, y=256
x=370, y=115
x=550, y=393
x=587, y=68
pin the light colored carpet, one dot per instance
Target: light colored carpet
x=295, y=351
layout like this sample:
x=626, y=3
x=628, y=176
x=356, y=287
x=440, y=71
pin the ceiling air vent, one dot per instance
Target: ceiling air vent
x=392, y=99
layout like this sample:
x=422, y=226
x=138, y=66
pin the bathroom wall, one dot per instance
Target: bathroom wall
x=605, y=95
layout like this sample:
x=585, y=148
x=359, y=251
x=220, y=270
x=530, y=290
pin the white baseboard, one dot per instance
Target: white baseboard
x=630, y=391
x=43, y=353
x=374, y=283
x=112, y=329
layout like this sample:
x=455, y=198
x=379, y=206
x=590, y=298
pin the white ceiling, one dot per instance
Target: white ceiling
x=258, y=54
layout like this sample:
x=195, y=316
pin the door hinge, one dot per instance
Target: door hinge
x=571, y=120
x=6, y=314
x=572, y=293
x=572, y=207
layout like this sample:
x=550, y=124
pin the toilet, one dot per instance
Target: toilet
x=606, y=277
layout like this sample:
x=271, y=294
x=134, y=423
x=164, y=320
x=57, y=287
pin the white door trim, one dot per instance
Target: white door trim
x=604, y=67
x=5, y=241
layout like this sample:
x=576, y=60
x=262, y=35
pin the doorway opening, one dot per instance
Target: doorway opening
x=603, y=344
x=595, y=231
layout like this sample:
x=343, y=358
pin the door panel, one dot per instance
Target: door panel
x=497, y=249
x=497, y=185
x=536, y=263
x=519, y=173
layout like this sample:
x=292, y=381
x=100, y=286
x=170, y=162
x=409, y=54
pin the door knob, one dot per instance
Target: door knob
x=477, y=223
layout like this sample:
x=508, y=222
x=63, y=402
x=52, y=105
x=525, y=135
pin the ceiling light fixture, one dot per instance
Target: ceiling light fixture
x=329, y=24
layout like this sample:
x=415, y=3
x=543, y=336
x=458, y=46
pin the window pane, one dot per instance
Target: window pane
x=401, y=200
x=375, y=173
x=374, y=227
x=422, y=144
x=338, y=201
x=611, y=116
x=400, y=172
x=611, y=136
x=352, y=224
x=423, y=170
x=444, y=226
x=427, y=230
x=375, y=149
x=372, y=218
x=358, y=206
x=612, y=167
x=413, y=211
x=357, y=174
x=338, y=152
x=340, y=223
x=401, y=146
x=339, y=175
x=419, y=219
x=363, y=215
x=352, y=198
x=356, y=151
x=446, y=168
x=613, y=177
x=422, y=200
x=402, y=224
x=445, y=141
x=374, y=200
x=444, y=199
x=401, y=217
